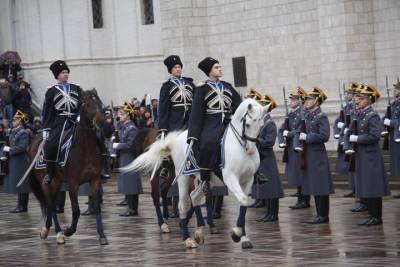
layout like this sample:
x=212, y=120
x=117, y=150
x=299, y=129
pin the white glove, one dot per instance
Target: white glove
x=112, y=139
x=6, y=148
x=336, y=136
x=285, y=133
x=340, y=125
x=78, y=119
x=386, y=122
x=346, y=130
x=45, y=135
x=353, y=138
x=115, y=145
x=303, y=136
x=283, y=145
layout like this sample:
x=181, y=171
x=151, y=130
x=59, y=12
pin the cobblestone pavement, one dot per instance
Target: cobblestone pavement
x=136, y=241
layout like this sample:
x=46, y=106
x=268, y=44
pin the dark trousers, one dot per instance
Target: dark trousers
x=374, y=207
x=322, y=205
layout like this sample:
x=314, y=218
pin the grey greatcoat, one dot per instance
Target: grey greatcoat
x=18, y=161
x=370, y=176
x=293, y=172
x=318, y=179
x=128, y=183
x=268, y=166
x=394, y=147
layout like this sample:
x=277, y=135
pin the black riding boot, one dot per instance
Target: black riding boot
x=217, y=206
x=274, y=210
x=90, y=209
x=50, y=170
x=60, y=202
x=175, y=212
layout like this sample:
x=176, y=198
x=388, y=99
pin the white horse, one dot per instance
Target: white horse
x=241, y=163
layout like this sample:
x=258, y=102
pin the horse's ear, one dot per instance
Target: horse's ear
x=95, y=91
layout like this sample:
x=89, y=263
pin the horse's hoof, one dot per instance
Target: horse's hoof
x=246, y=243
x=190, y=243
x=69, y=232
x=213, y=230
x=236, y=234
x=44, y=233
x=199, y=235
x=60, y=238
x=165, y=228
x=103, y=240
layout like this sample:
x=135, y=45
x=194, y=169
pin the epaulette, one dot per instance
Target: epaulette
x=188, y=78
x=200, y=84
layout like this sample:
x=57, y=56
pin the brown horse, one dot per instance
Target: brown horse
x=83, y=165
x=160, y=185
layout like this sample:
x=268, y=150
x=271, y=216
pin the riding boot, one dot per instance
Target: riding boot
x=268, y=211
x=60, y=202
x=274, y=210
x=105, y=170
x=130, y=211
x=205, y=183
x=123, y=202
x=90, y=209
x=174, y=213
x=50, y=170
x=217, y=207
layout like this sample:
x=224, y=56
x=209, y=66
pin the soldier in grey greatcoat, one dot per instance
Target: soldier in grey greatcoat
x=271, y=191
x=371, y=182
x=318, y=181
x=286, y=140
x=393, y=125
x=129, y=183
x=18, y=161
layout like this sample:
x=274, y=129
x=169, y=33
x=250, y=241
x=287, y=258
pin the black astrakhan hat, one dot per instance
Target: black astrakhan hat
x=171, y=61
x=57, y=67
x=206, y=64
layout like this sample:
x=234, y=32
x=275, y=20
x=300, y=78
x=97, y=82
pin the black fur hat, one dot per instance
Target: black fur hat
x=206, y=64
x=171, y=61
x=57, y=67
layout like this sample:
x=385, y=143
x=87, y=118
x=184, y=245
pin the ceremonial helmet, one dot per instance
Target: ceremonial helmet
x=254, y=94
x=354, y=86
x=397, y=85
x=268, y=102
x=21, y=116
x=299, y=93
x=368, y=90
x=317, y=93
x=126, y=107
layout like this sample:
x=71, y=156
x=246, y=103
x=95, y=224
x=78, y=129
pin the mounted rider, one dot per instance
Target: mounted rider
x=213, y=104
x=60, y=112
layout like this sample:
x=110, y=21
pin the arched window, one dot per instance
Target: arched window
x=97, y=13
x=147, y=12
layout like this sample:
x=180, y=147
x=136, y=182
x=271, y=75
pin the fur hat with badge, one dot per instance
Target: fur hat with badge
x=21, y=116
x=171, y=61
x=57, y=67
x=206, y=64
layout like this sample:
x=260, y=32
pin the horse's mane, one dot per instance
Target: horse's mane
x=242, y=108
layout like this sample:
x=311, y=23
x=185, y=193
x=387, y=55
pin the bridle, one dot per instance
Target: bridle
x=243, y=138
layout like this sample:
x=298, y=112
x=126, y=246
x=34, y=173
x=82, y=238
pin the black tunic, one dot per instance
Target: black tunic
x=175, y=103
x=213, y=104
x=60, y=110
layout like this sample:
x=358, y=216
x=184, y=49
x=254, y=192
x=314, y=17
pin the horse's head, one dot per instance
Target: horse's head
x=249, y=117
x=92, y=108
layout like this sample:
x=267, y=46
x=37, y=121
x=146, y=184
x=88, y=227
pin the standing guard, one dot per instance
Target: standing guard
x=129, y=183
x=318, y=181
x=60, y=111
x=175, y=103
x=393, y=125
x=371, y=182
x=18, y=161
x=213, y=104
x=271, y=191
x=286, y=139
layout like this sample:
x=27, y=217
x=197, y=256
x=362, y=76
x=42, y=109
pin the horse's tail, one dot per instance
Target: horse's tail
x=154, y=156
x=37, y=191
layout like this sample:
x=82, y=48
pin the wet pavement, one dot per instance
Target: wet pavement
x=138, y=241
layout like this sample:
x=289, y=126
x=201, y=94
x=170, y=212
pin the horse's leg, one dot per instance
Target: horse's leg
x=95, y=186
x=185, y=212
x=73, y=195
x=155, y=194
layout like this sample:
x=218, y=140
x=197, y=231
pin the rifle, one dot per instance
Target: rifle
x=388, y=115
x=353, y=150
x=115, y=133
x=286, y=126
x=302, y=144
x=341, y=118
